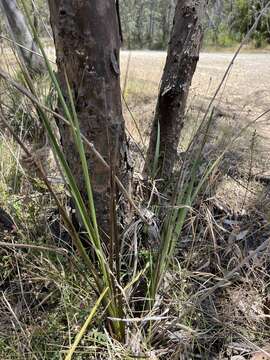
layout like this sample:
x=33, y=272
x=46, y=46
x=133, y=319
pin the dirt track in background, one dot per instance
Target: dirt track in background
x=245, y=94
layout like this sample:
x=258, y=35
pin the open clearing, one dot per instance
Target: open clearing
x=243, y=98
x=245, y=93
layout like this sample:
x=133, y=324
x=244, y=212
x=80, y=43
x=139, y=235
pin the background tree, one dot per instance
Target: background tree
x=215, y=16
x=20, y=33
x=244, y=13
x=147, y=24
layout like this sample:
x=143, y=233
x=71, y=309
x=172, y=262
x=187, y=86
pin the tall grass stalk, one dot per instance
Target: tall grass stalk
x=85, y=326
x=181, y=203
x=184, y=197
x=157, y=153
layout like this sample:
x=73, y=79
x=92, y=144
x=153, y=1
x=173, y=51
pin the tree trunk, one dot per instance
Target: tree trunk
x=20, y=33
x=87, y=41
x=182, y=58
x=151, y=24
x=139, y=38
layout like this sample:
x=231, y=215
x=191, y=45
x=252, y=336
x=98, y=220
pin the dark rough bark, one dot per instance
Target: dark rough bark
x=182, y=58
x=20, y=33
x=87, y=40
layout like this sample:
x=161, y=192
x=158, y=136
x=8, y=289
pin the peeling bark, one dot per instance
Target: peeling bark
x=182, y=58
x=87, y=41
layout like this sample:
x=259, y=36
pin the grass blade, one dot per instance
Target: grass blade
x=85, y=326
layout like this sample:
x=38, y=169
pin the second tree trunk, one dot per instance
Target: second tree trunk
x=182, y=58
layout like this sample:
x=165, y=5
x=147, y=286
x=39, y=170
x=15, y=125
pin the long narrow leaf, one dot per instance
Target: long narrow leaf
x=85, y=326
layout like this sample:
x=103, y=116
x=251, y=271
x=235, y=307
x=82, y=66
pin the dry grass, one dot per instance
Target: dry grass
x=45, y=299
x=234, y=220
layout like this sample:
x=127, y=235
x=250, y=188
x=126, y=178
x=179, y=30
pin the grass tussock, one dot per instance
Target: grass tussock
x=195, y=285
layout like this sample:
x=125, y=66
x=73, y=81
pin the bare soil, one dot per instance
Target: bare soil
x=245, y=93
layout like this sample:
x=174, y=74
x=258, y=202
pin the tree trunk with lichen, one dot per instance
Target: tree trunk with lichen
x=182, y=58
x=87, y=41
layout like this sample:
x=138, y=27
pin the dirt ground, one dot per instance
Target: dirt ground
x=245, y=93
x=243, y=97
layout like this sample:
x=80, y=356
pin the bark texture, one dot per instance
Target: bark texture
x=182, y=58
x=20, y=33
x=87, y=40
